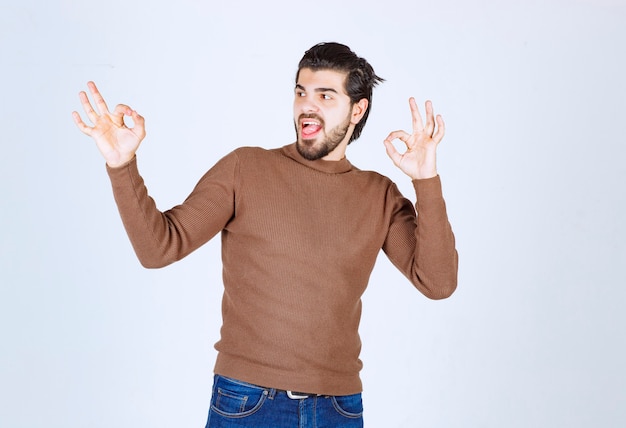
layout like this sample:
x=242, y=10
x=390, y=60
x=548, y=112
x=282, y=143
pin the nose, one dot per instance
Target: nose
x=306, y=105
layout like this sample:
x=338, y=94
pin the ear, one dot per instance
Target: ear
x=358, y=110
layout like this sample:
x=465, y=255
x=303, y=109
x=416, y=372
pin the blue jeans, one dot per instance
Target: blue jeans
x=236, y=404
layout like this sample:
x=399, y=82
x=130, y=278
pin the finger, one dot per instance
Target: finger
x=399, y=135
x=418, y=125
x=392, y=152
x=89, y=111
x=118, y=114
x=98, y=99
x=441, y=129
x=122, y=110
x=80, y=124
x=430, y=122
x=140, y=124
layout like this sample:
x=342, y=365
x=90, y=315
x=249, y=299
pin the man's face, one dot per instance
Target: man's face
x=322, y=113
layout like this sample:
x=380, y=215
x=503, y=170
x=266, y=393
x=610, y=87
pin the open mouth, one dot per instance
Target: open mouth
x=310, y=128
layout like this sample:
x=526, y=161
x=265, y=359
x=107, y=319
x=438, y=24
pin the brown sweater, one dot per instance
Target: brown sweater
x=299, y=242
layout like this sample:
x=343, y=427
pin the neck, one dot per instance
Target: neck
x=339, y=152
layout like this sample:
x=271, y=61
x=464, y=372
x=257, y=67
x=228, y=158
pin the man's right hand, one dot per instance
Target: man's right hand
x=117, y=142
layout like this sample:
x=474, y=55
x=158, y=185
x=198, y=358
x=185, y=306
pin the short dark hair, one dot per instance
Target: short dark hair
x=360, y=80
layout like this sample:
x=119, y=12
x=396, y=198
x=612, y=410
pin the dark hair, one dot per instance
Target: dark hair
x=360, y=80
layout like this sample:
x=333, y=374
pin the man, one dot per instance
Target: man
x=301, y=229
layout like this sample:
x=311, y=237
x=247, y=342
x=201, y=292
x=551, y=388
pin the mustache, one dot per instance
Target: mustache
x=311, y=116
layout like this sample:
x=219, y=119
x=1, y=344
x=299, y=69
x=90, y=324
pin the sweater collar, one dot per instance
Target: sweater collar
x=329, y=167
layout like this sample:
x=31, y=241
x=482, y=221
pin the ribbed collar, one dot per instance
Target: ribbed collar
x=329, y=167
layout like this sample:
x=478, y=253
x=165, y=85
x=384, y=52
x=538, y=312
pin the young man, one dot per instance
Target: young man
x=301, y=228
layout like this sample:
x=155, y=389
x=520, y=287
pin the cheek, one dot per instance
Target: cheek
x=298, y=107
x=296, y=112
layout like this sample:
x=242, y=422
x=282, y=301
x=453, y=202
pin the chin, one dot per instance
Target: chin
x=310, y=151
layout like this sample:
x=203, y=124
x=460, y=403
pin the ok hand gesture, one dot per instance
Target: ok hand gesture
x=117, y=142
x=420, y=158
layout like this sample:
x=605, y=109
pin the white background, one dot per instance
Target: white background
x=534, y=96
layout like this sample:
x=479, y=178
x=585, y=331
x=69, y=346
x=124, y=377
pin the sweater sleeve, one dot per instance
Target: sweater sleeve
x=422, y=246
x=160, y=238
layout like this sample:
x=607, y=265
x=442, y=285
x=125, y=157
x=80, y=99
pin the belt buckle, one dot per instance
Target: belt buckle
x=297, y=395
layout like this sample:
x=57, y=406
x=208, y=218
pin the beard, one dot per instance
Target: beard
x=310, y=150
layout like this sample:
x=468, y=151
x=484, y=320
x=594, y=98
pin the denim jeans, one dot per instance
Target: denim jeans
x=240, y=404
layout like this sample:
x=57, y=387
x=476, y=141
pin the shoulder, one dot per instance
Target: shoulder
x=253, y=151
x=372, y=177
x=250, y=155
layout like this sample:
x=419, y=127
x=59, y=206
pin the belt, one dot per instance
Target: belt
x=294, y=395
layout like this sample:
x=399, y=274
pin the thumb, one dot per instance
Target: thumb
x=118, y=114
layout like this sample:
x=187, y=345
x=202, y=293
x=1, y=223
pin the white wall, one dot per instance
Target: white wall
x=534, y=98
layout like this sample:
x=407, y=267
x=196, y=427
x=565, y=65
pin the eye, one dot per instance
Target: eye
x=326, y=97
x=300, y=94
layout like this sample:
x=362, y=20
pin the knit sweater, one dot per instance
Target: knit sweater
x=299, y=242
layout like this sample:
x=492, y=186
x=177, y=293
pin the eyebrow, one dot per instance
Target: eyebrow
x=298, y=86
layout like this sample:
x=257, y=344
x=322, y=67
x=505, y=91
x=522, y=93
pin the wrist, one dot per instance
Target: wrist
x=120, y=162
x=424, y=175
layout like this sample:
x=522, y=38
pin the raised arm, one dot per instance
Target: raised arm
x=116, y=141
x=432, y=262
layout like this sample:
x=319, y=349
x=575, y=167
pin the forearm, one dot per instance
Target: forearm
x=436, y=258
x=423, y=247
x=160, y=238
x=145, y=225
